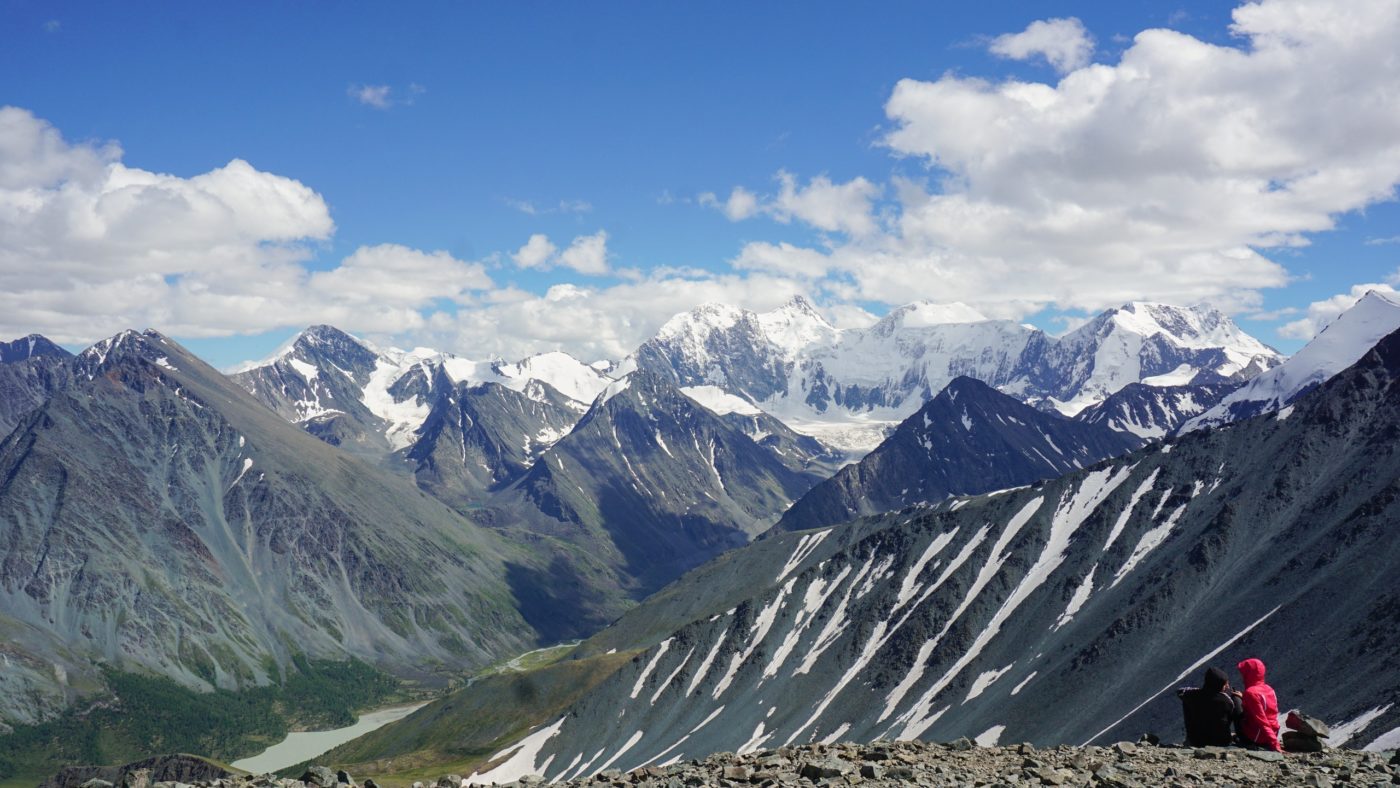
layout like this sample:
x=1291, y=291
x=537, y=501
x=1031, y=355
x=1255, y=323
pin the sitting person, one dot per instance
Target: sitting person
x=1209, y=710
x=1259, y=724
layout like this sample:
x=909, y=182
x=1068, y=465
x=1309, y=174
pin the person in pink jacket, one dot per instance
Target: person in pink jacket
x=1259, y=725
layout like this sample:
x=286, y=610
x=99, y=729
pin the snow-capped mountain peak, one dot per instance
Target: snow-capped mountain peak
x=1337, y=347
x=324, y=371
x=848, y=386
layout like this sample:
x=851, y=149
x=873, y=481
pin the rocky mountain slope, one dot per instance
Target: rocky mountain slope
x=1153, y=412
x=1337, y=347
x=31, y=369
x=358, y=396
x=842, y=384
x=970, y=439
x=1063, y=612
x=155, y=517
x=653, y=483
x=478, y=437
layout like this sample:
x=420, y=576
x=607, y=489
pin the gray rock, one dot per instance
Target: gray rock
x=826, y=768
x=321, y=777
x=1265, y=755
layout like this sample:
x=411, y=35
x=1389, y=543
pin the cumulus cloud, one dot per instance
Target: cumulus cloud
x=90, y=245
x=1320, y=314
x=586, y=254
x=397, y=276
x=536, y=253
x=740, y=205
x=828, y=206
x=1166, y=176
x=1064, y=43
x=377, y=96
x=603, y=322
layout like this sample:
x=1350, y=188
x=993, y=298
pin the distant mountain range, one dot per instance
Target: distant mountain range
x=429, y=513
x=843, y=384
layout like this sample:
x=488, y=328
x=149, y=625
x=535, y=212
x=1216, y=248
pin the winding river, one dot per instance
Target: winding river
x=304, y=745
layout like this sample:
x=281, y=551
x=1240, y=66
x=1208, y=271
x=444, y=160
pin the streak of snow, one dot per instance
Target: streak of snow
x=523, y=761
x=1128, y=510
x=1081, y=595
x=990, y=736
x=1024, y=682
x=308, y=372
x=247, y=463
x=1346, y=731
x=1149, y=542
x=660, y=651
x=763, y=622
x=805, y=545
x=985, y=680
x=719, y=401
x=707, y=720
x=666, y=682
x=1390, y=740
x=629, y=744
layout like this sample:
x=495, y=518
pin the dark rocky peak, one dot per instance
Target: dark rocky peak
x=426, y=381
x=322, y=343
x=129, y=346
x=32, y=346
x=1153, y=412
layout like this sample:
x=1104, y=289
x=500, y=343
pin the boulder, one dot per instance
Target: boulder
x=320, y=777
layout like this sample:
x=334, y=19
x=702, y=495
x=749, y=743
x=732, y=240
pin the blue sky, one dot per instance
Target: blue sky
x=466, y=128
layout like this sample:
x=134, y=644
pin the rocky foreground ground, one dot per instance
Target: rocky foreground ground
x=960, y=763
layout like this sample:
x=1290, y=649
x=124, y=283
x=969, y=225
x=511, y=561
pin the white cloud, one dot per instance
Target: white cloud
x=397, y=276
x=1394, y=239
x=596, y=323
x=587, y=254
x=1064, y=43
x=90, y=245
x=377, y=96
x=849, y=316
x=828, y=206
x=783, y=258
x=741, y=204
x=1165, y=176
x=529, y=208
x=536, y=253
x=1321, y=313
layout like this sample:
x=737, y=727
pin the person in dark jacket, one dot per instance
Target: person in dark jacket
x=1259, y=725
x=1209, y=710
